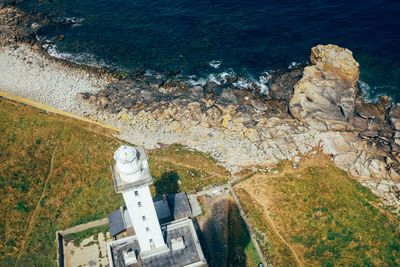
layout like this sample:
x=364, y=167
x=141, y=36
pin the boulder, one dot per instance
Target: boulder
x=281, y=83
x=336, y=59
x=213, y=115
x=325, y=96
x=228, y=96
x=370, y=110
x=394, y=117
x=258, y=105
x=174, y=126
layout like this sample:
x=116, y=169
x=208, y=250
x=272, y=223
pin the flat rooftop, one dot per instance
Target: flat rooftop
x=191, y=254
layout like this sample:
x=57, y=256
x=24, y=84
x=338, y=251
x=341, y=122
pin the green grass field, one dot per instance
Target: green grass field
x=55, y=174
x=325, y=216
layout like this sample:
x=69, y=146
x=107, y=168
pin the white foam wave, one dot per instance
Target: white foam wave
x=365, y=89
x=78, y=58
x=242, y=83
x=193, y=81
x=215, y=64
x=261, y=83
x=73, y=21
x=219, y=78
x=293, y=65
x=213, y=78
x=369, y=94
x=153, y=73
x=40, y=38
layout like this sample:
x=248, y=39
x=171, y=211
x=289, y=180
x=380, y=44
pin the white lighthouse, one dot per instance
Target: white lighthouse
x=132, y=178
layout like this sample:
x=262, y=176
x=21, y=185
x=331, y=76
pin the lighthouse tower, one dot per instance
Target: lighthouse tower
x=132, y=178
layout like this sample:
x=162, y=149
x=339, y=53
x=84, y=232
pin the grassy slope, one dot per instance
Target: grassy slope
x=55, y=174
x=176, y=169
x=328, y=218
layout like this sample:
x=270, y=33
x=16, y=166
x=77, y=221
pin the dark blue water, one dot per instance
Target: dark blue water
x=248, y=37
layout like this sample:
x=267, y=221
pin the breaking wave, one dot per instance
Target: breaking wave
x=240, y=82
x=82, y=58
x=215, y=64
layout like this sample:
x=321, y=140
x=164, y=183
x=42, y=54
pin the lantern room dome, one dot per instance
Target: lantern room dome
x=127, y=163
x=125, y=154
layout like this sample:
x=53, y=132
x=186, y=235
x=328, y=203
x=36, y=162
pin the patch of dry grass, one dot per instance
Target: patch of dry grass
x=327, y=217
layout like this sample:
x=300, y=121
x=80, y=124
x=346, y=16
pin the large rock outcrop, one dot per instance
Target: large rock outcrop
x=241, y=128
x=325, y=96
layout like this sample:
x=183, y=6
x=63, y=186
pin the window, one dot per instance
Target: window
x=147, y=229
x=143, y=218
x=139, y=204
x=136, y=193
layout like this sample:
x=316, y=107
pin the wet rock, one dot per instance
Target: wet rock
x=228, y=96
x=172, y=86
x=150, y=81
x=281, y=83
x=212, y=89
x=195, y=92
x=173, y=73
x=375, y=111
x=16, y=26
x=59, y=38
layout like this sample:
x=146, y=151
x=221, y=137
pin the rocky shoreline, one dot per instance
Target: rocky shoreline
x=312, y=106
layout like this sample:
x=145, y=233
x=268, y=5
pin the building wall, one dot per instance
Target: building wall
x=140, y=203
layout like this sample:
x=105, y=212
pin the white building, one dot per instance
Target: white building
x=171, y=244
x=130, y=169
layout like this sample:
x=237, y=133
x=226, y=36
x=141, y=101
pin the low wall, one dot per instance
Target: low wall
x=75, y=229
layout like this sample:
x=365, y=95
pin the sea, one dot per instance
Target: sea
x=210, y=39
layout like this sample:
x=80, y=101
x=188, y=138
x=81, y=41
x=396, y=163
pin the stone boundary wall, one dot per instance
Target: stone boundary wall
x=243, y=215
x=75, y=229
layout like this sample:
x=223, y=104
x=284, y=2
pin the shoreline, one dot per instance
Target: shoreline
x=29, y=74
x=238, y=128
